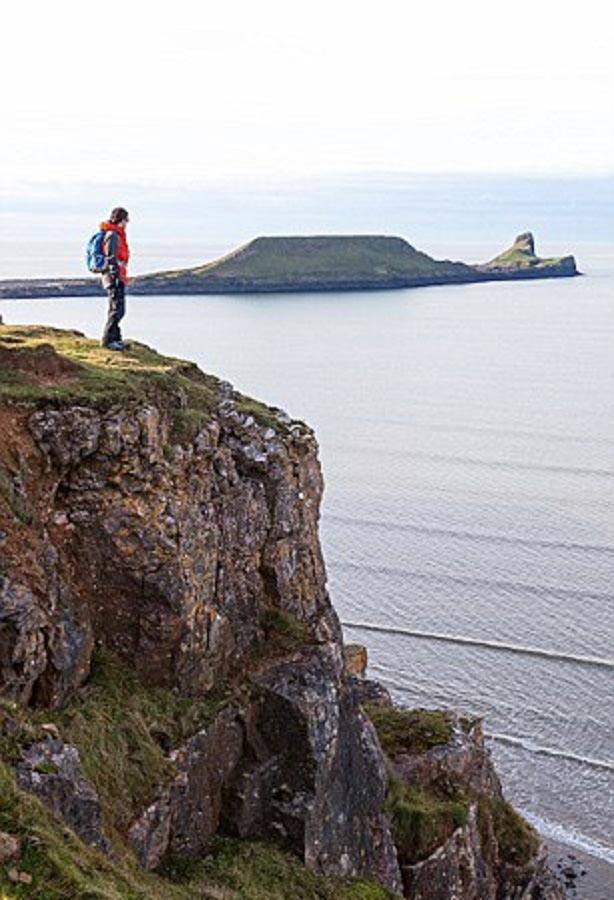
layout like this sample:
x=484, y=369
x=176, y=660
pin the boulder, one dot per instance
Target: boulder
x=313, y=776
x=356, y=659
x=184, y=819
x=10, y=848
x=51, y=769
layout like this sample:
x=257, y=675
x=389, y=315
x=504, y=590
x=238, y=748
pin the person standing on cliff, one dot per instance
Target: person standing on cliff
x=115, y=275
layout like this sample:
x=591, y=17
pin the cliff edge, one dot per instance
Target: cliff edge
x=521, y=259
x=176, y=715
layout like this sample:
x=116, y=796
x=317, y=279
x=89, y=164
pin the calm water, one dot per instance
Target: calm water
x=467, y=439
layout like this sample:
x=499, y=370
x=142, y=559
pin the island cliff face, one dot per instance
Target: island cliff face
x=324, y=263
x=171, y=666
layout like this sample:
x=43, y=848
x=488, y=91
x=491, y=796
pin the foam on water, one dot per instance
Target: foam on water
x=569, y=836
x=491, y=645
x=532, y=747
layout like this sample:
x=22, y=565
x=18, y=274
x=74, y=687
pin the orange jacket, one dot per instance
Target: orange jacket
x=123, y=252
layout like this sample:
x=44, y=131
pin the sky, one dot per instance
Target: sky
x=191, y=92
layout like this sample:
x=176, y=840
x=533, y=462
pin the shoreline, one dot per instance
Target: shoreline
x=326, y=263
x=597, y=881
x=43, y=289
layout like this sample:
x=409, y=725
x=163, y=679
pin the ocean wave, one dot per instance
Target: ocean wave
x=509, y=465
x=548, y=436
x=543, y=653
x=537, y=590
x=508, y=739
x=470, y=535
x=539, y=750
x=569, y=836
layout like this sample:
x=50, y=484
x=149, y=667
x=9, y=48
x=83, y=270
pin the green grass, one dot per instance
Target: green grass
x=282, y=633
x=117, y=723
x=421, y=820
x=259, y=871
x=518, y=842
x=409, y=730
x=96, y=376
x=518, y=258
x=123, y=731
x=187, y=423
x=328, y=257
x=63, y=868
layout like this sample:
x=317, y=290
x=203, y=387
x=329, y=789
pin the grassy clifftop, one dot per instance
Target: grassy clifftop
x=521, y=257
x=329, y=256
x=42, y=364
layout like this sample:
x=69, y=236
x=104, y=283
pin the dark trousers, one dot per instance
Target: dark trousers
x=116, y=292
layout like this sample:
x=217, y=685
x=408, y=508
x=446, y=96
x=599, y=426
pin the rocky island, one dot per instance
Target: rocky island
x=329, y=263
x=179, y=717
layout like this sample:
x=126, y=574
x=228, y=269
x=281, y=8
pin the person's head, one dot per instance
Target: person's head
x=119, y=216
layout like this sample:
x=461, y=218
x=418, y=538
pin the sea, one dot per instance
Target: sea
x=467, y=443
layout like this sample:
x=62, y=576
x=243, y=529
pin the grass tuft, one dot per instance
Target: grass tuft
x=421, y=820
x=517, y=840
x=259, y=871
x=63, y=868
x=282, y=633
x=75, y=369
x=409, y=730
x=123, y=731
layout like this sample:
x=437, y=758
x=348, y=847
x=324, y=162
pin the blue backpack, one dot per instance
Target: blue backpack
x=94, y=254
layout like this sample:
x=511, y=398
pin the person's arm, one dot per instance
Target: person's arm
x=111, y=246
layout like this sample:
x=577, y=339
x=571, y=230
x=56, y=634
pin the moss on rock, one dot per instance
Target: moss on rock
x=409, y=730
x=421, y=820
x=39, y=364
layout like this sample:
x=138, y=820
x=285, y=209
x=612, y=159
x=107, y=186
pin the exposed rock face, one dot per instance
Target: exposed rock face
x=462, y=869
x=297, y=763
x=525, y=243
x=170, y=553
x=356, y=659
x=475, y=862
x=185, y=817
x=174, y=550
x=463, y=765
x=520, y=261
x=166, y=553
x=307, y=743
x=52, y=770
x=455, y=871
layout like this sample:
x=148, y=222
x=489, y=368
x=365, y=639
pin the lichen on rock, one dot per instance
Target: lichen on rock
x=162, y=528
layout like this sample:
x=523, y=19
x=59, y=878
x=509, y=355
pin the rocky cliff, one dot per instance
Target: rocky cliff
x=321, y=263
x=522, y=260
x=176, y=718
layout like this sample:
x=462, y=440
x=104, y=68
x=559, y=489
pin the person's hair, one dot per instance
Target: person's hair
x=118, y=215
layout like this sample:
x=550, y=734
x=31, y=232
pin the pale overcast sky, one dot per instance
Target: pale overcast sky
x=193, y=91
